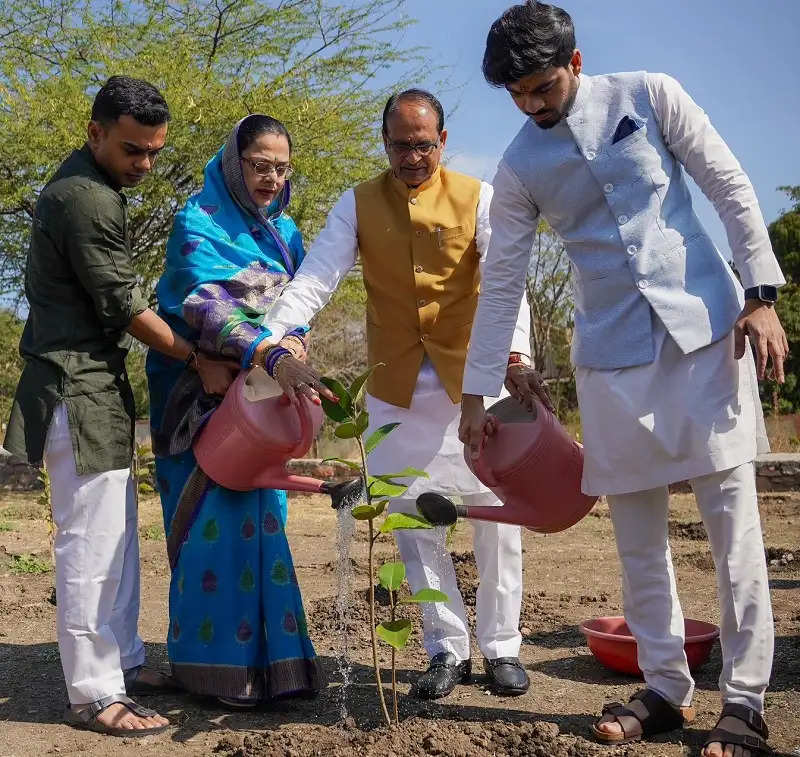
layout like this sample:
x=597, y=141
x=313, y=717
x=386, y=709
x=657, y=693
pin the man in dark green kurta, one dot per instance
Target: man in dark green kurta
x=74, y=407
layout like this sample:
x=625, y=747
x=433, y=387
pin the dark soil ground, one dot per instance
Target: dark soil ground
x=568, y=577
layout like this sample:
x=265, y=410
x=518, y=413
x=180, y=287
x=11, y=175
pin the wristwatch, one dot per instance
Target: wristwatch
x=763, y=292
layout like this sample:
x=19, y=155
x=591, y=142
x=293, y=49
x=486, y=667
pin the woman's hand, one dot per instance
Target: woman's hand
x=216, y=374
x=297, y=378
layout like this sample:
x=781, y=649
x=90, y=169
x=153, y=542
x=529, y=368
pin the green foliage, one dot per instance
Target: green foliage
x=6, y=526
x=391, y=575
x=378, y=435
x=310, y=64
x=352, y=422
x=394, y=632
x=784, y=233
x=426, y=595
x=29, y=565
x=144, y=469
x=397, y=521
x=10, y=361
x=152, y=532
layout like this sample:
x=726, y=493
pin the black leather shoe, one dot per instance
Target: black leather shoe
x=442, y=675
x=506, y=676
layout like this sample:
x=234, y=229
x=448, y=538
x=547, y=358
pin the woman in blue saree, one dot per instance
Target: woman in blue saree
x=237, y=627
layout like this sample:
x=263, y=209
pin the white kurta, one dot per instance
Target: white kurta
x=680, y=416
x=428, y=435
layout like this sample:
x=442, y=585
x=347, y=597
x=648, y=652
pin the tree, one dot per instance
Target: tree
x=310, y=63
x=10, y=362
x=784, y=233
x=550, y=298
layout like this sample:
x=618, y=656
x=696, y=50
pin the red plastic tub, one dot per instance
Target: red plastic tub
x=611, y=642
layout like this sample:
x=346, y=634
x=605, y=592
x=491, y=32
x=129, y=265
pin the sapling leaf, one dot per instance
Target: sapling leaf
x=405, y=473
x=395, y=632
x=378, y=435
x=346, y=431
x=337, y=411
x=380, y=506
x=357, y=387
x=362, y=422
x=364, y=512
x=349, y=463
x=426, y=595
x=391, y=575
x=378, y=488
x=395, y=521
x=408, y=472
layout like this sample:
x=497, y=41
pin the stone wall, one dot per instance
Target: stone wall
x=775, y=472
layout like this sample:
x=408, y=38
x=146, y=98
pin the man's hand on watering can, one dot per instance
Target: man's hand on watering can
x=524, y=383
x=475, y=423
x=216, y=374
x=297, y=378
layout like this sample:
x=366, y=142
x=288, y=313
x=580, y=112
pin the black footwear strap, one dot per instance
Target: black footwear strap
x=755, y=744
x=661, y=715
x=505, y=661
x=747, y=715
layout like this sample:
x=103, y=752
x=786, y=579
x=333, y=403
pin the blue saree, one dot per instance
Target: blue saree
x=237, y=627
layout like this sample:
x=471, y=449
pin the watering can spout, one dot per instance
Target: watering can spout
x=345, y=493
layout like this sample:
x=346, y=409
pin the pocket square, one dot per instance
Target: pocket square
x=625, y=128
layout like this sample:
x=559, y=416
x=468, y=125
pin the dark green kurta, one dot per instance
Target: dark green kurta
x=82, y=294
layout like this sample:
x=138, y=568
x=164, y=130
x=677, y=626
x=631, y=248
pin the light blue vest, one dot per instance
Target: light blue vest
x=625, y=215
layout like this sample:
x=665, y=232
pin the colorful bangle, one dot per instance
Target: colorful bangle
x=272, y=357
x=517, y=358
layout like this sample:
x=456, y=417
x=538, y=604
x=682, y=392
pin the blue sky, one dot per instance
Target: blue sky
x=736, y=58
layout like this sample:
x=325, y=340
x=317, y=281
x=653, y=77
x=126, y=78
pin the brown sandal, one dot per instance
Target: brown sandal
x=661, y=717
x=755, y=744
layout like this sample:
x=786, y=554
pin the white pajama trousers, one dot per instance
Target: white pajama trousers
x=97, y=570
x=727, y=503
x=498, y=555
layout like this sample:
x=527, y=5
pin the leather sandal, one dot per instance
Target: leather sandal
x=86, y=717
x=661, y=718
x=755, y=744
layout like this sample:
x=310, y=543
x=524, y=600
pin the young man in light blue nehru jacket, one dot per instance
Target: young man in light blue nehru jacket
x=666, y=384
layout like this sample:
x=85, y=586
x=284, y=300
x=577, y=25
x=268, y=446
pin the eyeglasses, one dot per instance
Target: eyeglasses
x=401, y=149
x=264, y=168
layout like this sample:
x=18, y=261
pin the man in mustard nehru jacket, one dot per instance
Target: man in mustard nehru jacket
x=422, y=232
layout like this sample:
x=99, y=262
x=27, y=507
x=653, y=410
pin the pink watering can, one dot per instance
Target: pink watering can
x=253, y=434
x=532, y=465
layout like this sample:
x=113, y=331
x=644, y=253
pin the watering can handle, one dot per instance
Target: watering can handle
x=481, y=466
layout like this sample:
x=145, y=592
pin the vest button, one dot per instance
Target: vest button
x=418, y=233
x=643, y=283
x=622, y=219
x=590, y=155
x=413, y=200
x=417, y=269
x=423, y=337
x=420, y=302
x=608, y=188
x=632, y=250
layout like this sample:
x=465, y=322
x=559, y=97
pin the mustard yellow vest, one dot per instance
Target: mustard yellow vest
x=420, y=266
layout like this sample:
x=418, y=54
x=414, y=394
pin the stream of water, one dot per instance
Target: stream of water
x=345, y=528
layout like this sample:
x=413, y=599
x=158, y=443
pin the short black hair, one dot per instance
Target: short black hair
x=252, y=127
x=126, y=96
x=416, y=95
x=527, y=39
